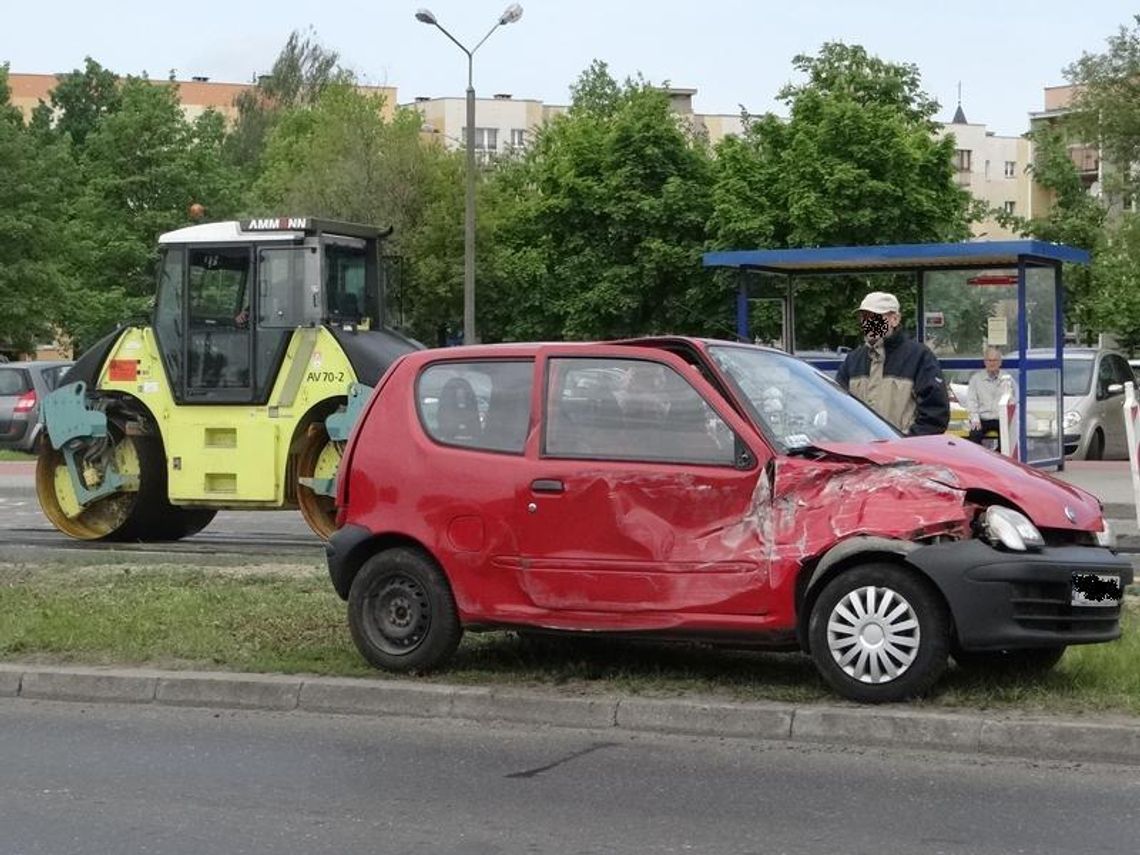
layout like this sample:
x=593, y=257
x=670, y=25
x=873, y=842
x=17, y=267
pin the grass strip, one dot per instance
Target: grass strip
x=286, y=619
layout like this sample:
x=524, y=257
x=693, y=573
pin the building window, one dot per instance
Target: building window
x=518, y=138
x=987, y=170
x=1011, y=169
x=486, y=139
x=962, y=159
x=1009, y=207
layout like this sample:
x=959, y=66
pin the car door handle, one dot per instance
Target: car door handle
x=547, y=485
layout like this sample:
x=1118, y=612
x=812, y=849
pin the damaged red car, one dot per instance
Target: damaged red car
x=686, y=489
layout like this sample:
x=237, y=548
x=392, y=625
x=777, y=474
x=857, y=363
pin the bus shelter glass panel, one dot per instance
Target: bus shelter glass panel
x=825, y=309
x=1041, y=309
x=965, y=311
x=1044, y=426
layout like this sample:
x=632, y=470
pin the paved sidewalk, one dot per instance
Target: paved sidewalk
x=1107, y=739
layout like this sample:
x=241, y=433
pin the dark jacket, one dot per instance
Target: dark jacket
x=912, y=395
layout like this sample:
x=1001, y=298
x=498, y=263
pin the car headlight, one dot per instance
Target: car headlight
x=1011, y=528
x=1106, y=536
x=1072, y=419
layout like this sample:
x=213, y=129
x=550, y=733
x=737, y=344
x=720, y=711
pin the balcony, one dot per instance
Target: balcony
x=1086, y=158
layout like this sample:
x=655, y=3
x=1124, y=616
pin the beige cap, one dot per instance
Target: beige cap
x=879, y=303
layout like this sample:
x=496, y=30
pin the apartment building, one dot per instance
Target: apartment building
x=994, y=169
x=1058, y=101
x=197, y=95
x=505, y=124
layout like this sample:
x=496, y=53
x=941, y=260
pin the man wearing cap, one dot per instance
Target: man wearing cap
x=896, y=376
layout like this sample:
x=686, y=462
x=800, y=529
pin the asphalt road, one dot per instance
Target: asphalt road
x=97, y=779
x=242, y=532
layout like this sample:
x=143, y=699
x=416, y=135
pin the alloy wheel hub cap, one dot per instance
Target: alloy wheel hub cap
x=873, y=634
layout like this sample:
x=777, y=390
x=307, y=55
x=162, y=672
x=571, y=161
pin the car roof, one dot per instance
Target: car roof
x=528, y=349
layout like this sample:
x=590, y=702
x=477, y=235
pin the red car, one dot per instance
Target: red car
x=689, y=489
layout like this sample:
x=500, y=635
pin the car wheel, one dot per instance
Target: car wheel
x=1010, y=663
x=879, y=633
x=401, y=612
x=1095, y=451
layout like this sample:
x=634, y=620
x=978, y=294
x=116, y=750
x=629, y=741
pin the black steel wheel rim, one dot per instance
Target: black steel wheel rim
x=398, y=615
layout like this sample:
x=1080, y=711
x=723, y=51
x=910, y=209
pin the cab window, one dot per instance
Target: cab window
x=218, y=323
x=349, y=295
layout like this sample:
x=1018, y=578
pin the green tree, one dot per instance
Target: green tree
x=598, y=230
x=855, y=163
x=302, y=71
x=140, y=169
x=1075, y=218
x=1107, y=106
x=33, y=181
x=81, y=99
x=1116, y=274
x=340, y=158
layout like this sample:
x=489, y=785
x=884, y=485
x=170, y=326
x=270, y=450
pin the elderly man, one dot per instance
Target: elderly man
x=896, y=376
x=983, y=394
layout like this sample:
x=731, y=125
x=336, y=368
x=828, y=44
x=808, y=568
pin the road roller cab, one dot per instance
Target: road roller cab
x=266, y=338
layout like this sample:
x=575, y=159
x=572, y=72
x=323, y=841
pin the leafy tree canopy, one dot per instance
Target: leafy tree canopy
x=81, y=99
x=33, y=181
x=1107, y=105
x=602, y=223
x=855, y=163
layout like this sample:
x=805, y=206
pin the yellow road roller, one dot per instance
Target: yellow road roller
x=267, y=337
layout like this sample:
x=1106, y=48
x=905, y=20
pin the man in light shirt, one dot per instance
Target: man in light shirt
x=983, y=396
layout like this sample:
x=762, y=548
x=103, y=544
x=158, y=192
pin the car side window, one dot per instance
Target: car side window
x=483, y=405
x=630, y=409
x=1121, y=370
x=1105, y=376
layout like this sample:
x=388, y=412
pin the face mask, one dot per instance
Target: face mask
x=874, y=327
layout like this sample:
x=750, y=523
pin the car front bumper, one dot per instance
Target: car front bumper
x=1001, y=599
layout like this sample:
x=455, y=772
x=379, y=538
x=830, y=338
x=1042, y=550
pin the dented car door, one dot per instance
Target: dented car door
x=639, y=495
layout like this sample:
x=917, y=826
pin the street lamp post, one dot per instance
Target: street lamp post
x=509, y=16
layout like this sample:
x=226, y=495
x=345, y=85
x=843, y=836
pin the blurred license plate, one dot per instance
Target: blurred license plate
x=1096, y=589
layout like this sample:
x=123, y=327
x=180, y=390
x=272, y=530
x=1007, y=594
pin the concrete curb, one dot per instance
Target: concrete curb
x=1005, y=734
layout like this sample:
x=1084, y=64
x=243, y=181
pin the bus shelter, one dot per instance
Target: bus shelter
x=957, y=298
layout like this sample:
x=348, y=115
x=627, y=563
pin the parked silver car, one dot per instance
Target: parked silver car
x=22, y=386
x=1093, y=408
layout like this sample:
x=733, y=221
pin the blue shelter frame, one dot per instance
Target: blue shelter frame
x=1021, y=256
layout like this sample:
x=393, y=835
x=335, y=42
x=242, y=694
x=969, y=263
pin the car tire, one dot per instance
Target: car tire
x=401, y=612
x=1033, y=662
x=1095, y=450
x=879, y=633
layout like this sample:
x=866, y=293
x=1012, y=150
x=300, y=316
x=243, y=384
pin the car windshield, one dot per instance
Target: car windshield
x=794, y=403
x=1042, y=382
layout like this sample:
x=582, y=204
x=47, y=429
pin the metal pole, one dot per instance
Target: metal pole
x=469, y=336
x=511, y=14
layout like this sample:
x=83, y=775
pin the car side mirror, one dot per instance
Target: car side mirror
x=743, y=455
x=1116, y=388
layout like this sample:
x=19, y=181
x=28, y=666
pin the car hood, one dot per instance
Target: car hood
x=966, y=466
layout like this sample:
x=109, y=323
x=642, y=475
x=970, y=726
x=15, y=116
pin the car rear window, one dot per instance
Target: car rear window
x=484, y=405
x=13, y=381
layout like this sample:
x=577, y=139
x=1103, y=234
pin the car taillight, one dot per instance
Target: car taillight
x=26, y=402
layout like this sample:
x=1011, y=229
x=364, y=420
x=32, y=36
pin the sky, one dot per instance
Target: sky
x=734, y=53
